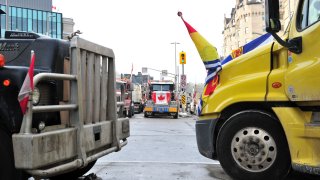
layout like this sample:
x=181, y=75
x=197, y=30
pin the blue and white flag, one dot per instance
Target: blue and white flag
x=262, y=40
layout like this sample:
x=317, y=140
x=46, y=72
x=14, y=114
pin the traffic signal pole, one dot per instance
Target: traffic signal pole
x=183, y=61
x=183, y=93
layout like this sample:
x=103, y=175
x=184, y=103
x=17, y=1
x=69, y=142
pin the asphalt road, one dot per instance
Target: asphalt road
x=161, y=149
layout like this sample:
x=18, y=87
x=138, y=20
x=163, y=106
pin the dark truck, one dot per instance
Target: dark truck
x=71, y=119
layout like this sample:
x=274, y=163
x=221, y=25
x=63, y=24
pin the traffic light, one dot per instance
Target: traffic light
x=183, y=58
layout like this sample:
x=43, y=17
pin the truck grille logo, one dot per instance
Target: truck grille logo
x=9, y=46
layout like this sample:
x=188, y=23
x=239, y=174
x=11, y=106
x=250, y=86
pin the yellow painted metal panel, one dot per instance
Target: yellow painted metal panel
x=242, y=79
x=276, y=81
x=303, y=137
x=303, y=74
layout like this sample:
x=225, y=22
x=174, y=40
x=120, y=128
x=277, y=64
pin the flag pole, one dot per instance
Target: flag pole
x=28, y=115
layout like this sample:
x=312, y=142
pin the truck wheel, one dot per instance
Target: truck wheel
x=76, y=173
x=130, y=113
x=175, y=116
x=145, y=115
x=252, y=145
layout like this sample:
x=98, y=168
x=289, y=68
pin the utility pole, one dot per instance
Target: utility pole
x=175, y=66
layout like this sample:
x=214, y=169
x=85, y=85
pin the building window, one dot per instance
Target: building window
x=59, y=26
x=34, y=21
x=13, y=18
x=40, y=23
x=45, y=22
x=29, y=19
x=24, y=20
x=54, y=26
x=3, y=21
x=19, y=18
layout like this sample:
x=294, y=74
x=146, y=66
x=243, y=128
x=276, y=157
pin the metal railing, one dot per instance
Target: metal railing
x=92, y=82
x=92, y=101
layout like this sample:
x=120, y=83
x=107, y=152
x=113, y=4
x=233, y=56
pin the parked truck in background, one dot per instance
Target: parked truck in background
x=120, y=96
x=124, y=90
x=263, y=118
x=161, y=99
x=137, y=98
x=71, y=119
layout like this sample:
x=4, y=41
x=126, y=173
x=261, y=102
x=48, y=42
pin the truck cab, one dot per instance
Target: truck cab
x=124, y=98
x=263, y=119
x=15, y=48
x=137, y=98
x=162, y=99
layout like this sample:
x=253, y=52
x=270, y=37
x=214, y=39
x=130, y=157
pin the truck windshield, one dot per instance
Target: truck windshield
x=161, y=87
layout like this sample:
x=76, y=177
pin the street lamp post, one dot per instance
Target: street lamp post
x=175, y=65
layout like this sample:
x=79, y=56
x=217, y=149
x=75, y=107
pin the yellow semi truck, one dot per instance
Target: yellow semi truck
x=263, y=119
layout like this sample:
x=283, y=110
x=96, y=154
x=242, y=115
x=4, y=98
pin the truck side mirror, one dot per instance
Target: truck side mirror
x=273, y=26
x=272, y=16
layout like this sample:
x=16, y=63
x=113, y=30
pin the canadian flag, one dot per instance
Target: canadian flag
x=161, y=97
x=27, y=86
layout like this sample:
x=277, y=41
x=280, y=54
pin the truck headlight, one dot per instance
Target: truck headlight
x=41, y=126
x=35, y=96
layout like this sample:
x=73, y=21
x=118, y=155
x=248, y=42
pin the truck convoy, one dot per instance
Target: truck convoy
x=161, y=99
x=263, y=118
x=125, y=106
x=71, y=118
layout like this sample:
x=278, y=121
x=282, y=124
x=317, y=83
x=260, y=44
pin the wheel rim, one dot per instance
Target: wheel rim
x=253, y=149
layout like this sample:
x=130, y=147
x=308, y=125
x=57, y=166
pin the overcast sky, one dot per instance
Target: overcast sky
x=140, y=31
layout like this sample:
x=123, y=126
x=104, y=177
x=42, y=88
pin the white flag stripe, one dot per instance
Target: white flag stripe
x=27, y=86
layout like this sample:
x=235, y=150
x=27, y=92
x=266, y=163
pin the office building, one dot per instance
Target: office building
x=31, y=16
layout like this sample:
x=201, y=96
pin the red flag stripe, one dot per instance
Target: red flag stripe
x=189, y=27
x=27, y=86
x=31, y=69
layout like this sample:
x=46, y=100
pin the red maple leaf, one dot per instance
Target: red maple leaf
x=161, y=98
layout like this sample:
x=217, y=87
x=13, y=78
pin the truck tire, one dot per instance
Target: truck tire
x=7, y=169
x=252, y=145
x=175, y=116
x=129, y=113
x=132, y=110
x=76, y=173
